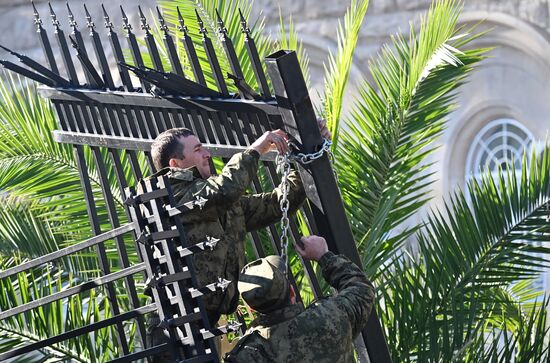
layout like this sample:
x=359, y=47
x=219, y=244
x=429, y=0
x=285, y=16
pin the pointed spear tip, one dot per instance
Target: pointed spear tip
x=198, y=16
x=69, y=9
x=242, y=16
x=158, y=11
x=104, y=11
x=219, y=17
x=34, y=7
x=51, y=8
x=124, y=17
x=179, y=13
x=86, y=11
x=140, y=12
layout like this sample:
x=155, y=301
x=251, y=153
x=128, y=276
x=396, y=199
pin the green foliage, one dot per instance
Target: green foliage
x=383, y=148
x=339, y=66
x=456, y=287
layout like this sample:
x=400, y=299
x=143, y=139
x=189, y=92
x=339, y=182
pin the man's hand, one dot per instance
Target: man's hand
x=325, y=133
x=314, y=247
x=271, y=139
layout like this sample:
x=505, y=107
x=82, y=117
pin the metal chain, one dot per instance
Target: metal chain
x=283, y=167
x=309, y=158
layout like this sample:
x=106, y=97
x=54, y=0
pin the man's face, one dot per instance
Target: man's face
x=194, y=154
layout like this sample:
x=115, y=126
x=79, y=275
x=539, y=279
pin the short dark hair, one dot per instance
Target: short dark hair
x=167, y=146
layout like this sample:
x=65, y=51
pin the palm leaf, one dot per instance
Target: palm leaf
x=339, y=66
x=457, y=285
x=382, y=153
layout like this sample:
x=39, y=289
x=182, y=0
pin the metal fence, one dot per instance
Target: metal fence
x=116, y=123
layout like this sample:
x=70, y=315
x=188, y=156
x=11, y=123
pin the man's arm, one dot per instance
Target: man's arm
x=355, y=291
x=262, y=209
x=227, y=187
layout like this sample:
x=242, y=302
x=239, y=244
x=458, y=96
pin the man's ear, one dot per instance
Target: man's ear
x=173, y=163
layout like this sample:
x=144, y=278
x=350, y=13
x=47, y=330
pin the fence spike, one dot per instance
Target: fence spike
x=44, y=41
x=244, y=26
x=162, y=22
x=89, y=23
x=37, y=19
x=72, y=21
x=108, y=23
x=221, y=26
x=126, y=24
x=182, y=27
x=202, y=29
x=143, y=20
x=55, y=22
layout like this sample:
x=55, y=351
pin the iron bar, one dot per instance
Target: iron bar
x=64, y=48
x=212, y=58
x=134, y=48
x=44, y=41
x=170, y=82
x=96, y=229
x=229, y=48
x=77, y=42
x=88, y=285
x=93, y=78
x=99, y=52
x=77, y=332
x=150, y=42
x=90, y=242
x=115, y=223
x=134, y=99
x=117, y=52
x=170, y=46
x=190, y=50
x=29, y=62
x=27, y=73
x=252, y=51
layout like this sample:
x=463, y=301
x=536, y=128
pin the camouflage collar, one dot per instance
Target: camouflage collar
x=279, y=316
x=188, y=174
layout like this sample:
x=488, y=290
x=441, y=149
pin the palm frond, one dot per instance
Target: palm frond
x=469, y=254
x=381, y=157
x=339, y=66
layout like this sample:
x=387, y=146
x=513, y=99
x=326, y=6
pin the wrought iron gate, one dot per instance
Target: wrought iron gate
x=116, y=123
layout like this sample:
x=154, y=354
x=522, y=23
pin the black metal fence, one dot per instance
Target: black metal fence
x=115, y=124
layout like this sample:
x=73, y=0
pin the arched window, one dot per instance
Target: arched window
x=501, y=142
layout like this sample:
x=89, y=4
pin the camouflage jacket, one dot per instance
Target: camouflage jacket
x=323, y=332
x=228, y=214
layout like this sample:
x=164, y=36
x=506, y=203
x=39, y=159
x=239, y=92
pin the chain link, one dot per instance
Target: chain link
x=283, y=167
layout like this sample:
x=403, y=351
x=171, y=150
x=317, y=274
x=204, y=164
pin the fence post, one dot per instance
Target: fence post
x=322, y=189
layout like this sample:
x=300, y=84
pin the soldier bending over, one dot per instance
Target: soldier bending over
x=284, y=331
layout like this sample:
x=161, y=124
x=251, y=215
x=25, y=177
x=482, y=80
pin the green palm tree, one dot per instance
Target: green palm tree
x=462, y=294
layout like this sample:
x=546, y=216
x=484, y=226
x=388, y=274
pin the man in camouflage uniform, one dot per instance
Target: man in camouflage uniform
x=227, y=214
x=284, y=331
